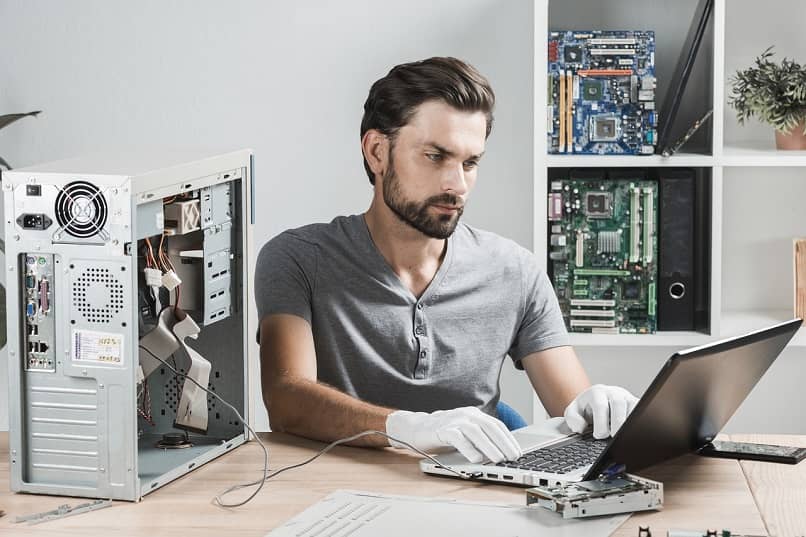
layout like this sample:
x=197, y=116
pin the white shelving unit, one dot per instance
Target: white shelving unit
x=757, y=192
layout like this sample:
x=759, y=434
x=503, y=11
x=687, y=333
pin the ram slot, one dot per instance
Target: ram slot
x=569, y=107
x=635, y=225
x=561, y=111
x=649, y=224
x=593, y=303
x=591, y=323
x=580, y=257
x=593, y=313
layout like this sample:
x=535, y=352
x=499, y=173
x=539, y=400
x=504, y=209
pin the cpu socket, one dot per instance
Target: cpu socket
x=598, y=204
x=605, y=128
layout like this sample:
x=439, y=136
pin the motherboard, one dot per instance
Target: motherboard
x=603, y=250
x=601, y=92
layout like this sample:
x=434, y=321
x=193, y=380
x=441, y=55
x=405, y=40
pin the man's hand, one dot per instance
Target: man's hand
x=467, y=429
x=607, y=407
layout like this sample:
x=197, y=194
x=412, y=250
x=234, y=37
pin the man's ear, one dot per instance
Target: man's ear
x=375, y=146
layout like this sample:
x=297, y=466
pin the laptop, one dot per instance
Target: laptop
x=692, y=397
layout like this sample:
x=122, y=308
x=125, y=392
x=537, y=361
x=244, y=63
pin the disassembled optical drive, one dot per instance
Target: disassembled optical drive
x=625, y=493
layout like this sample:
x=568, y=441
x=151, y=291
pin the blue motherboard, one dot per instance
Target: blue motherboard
x=601, y=92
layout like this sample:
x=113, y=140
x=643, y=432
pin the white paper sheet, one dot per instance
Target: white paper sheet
x=366, y=514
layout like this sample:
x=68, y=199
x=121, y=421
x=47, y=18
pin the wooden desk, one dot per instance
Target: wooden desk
x=699, y=493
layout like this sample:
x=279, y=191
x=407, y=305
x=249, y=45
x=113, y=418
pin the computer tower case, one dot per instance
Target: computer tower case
x=85, y=419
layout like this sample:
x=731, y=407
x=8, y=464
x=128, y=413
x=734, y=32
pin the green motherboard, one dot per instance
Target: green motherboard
x=603, y=250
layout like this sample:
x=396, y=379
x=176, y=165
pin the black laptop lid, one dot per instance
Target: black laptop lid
x=692, y=398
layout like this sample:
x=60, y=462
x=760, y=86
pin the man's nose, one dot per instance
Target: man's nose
x=455, y=181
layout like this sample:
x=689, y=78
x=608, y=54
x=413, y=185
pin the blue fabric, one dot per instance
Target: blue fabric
x=509, y=416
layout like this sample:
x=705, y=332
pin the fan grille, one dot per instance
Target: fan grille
x=81, y=209
x=98, y=295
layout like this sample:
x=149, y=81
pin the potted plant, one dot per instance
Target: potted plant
x=776, y=94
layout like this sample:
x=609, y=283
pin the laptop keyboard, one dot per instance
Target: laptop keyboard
x=561, y=458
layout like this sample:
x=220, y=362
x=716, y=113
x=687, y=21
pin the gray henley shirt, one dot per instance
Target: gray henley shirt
x=376, y=341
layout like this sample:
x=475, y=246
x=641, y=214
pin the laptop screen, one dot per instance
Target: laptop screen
x=692, y=398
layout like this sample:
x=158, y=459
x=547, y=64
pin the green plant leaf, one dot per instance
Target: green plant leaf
x=775, y=93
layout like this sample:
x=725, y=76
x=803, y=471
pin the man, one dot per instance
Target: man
x=399, y=319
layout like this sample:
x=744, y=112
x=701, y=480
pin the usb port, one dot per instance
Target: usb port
x=508, y=477
x=494, y=476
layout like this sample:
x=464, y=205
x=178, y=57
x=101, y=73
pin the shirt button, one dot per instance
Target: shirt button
x=419, y=331
x=420, y=306
x=423, y=353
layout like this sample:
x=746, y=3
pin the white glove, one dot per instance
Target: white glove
x=606, y=407
x=467, y=429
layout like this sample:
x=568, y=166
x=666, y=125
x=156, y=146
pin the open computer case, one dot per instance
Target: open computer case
x=102, y=252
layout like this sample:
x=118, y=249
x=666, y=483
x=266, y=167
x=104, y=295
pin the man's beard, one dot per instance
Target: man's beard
x=416, y=214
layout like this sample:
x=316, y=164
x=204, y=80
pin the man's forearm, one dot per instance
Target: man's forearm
x=313, y=410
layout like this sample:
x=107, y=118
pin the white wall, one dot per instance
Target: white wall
x=287, y=79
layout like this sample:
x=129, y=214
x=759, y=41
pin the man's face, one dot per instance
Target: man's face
x=432, y=167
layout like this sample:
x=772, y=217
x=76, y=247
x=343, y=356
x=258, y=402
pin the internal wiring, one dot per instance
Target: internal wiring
x=266, y=475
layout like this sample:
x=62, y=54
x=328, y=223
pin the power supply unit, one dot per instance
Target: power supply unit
x=113, y=263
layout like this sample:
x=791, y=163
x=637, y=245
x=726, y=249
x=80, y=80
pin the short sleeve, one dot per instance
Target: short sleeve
x=285, y=274
x=542, y=326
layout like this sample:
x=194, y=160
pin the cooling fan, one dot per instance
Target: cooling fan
x=81, y=211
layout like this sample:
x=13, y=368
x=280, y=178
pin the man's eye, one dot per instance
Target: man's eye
x=470, y=164
x=434, y=157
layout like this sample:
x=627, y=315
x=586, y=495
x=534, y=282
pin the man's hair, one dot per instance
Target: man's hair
x=393, y=99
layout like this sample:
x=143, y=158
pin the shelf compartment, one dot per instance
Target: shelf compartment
x=678, y=160
x=760, y=154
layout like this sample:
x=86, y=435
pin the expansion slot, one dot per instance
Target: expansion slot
x=550, y=105
x=612, y=51
x=593, y=313
x=591, y=303
x=612, y=41
x=652, y=303
x=649, y=228
x=635, y=225
x=601, y=272
x=580, y=254
x=612, y=330
x=604, y=72
x=590, y=323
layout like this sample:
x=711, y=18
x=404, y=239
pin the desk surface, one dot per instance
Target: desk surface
x=748, y=497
